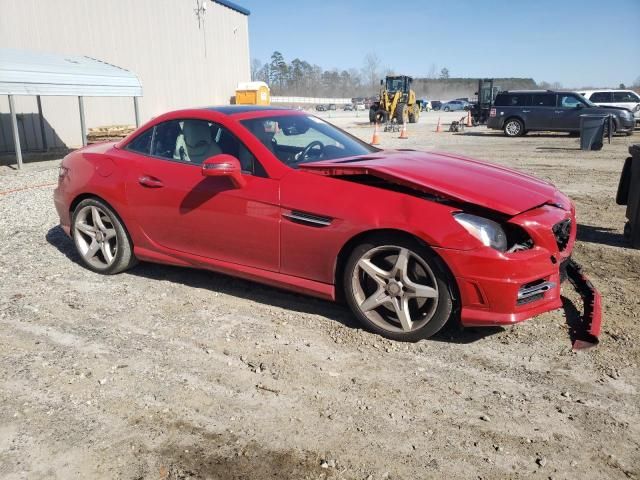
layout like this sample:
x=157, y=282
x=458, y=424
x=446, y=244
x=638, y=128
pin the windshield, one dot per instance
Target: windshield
x=297, y=139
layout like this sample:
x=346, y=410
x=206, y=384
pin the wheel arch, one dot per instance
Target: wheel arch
x=84, y=196
x=516, y=117
x=353, y=242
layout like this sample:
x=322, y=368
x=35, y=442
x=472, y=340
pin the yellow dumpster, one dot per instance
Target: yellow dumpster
x=253, y=93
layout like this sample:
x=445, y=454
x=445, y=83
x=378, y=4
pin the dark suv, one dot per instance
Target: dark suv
x=522, y=111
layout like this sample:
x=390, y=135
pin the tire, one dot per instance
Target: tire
x=414, y=116
x=513, y=127
x=381, y=116
x=100, y=238
x=402, y=113
x=392, y=296
x=372, y=115
x=446, y=109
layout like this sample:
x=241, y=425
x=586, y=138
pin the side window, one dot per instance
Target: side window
x=601, y=97
x=142, y=143
x=625, y=97
x=543, y=100
x=520, y=100
x=189, y=140
x=165, y=138
x=231, y=145
x=568, y=101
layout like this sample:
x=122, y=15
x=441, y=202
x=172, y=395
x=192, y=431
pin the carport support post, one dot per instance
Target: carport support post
x=16, y=133
x=44, y=137
x=83, y=127
x=136, y=110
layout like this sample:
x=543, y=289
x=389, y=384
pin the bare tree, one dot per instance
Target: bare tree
x=371, y=71
x=256, y=65
x=444, y=73
x=433, y=71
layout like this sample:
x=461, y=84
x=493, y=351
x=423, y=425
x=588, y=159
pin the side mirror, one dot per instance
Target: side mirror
x=224, y=165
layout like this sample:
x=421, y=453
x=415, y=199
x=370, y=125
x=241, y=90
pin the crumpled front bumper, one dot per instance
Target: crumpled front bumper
x=506, y=288
x=586, y=331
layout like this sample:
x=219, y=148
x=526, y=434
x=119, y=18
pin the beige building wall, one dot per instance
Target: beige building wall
x=179, y=62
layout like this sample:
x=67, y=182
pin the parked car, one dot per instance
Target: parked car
x=615, y=98
x=454, y=105
x=348, y=107
x=331, y=106
x=520, y=111
x=409, y=239
x=321, y=108
x=360, y=106
x=425, y=105
x=436, y=104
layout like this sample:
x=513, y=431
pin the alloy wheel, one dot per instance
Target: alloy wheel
x=95, y=237
x=513, y=128
x=395, y=288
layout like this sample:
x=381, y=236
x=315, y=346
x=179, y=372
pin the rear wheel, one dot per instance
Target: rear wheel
x=446, y=109
x=513, y=127
x=402, y=113
x=414, y=116
x=100, y=238
x=397, y=288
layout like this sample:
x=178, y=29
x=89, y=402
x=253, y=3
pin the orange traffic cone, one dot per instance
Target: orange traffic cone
x=403, y=132
x=439, y=127
x=376, y=135
x=469, y=123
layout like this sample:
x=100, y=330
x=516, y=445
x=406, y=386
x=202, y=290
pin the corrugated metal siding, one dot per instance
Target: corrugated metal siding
x=158, y=40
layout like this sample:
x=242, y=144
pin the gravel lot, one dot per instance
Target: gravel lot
x=168, y=373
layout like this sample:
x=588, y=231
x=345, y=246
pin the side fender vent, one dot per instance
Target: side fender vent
x=309, y=219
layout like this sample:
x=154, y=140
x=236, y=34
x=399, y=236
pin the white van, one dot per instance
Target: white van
x=615, y=98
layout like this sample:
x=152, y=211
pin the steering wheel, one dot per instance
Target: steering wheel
x=303, y=155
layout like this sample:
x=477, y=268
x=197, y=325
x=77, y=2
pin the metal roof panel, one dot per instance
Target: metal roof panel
x=25, y=72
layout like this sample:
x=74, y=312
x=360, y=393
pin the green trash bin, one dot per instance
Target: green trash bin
x=592, y=130
x=629, y=195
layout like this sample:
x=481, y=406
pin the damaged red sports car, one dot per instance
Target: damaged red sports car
x=410, y=240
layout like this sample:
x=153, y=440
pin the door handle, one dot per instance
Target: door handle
x=526, y=111
x=151, y=182
x=559, y=111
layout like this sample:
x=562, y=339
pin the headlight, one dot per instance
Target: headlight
x=487, y=231
x=637, y=109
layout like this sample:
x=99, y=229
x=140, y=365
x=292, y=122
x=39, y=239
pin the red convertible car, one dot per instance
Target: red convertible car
x=408, y=239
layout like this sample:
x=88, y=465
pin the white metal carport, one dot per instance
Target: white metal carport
x=24, y=72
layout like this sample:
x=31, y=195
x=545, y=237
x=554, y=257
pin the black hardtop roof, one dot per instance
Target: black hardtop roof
x=233, y=109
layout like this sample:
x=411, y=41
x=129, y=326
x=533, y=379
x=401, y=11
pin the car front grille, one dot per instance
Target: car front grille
x=562, y=233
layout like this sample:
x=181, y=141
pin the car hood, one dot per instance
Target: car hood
x=607, y=109
x=450, y=176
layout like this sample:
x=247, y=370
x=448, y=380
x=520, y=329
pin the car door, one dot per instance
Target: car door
x=541, y=111
x=567, y=112
x=180, y=210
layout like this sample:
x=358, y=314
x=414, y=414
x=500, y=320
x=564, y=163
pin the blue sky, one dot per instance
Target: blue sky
x=577, y=43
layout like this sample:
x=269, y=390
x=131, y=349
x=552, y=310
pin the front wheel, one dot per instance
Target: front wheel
x=398, y=289
x=446, y=109
x=513, y=128
x=100, y=238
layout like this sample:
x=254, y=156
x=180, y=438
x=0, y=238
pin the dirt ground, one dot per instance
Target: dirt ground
x=169, y=373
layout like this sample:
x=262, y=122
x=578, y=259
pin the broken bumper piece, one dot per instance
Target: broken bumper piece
x=585, y=333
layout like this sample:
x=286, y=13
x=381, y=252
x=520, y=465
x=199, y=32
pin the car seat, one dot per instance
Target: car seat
x=195, y=144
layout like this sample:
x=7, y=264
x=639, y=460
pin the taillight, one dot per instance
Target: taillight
x=492, y=112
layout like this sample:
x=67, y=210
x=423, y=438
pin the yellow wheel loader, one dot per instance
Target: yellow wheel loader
x=397, y=102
